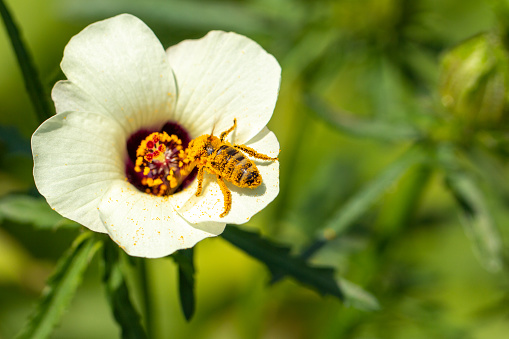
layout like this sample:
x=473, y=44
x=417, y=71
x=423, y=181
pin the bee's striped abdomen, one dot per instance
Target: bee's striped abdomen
x=235, y=167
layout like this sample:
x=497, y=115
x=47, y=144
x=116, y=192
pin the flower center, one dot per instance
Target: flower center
x=161, y=162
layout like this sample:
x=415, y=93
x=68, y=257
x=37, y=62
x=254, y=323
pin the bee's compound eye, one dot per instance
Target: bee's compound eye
x=209, y=148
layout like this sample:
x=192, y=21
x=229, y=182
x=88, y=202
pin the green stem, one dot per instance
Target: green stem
x=117, y=291
x=146, y=296
x=30, y=76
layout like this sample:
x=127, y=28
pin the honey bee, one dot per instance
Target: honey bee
x=227, y=162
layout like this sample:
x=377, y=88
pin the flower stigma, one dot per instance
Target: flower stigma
x=162, y=163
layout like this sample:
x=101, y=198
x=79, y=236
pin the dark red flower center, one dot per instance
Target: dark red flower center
x=157, y=163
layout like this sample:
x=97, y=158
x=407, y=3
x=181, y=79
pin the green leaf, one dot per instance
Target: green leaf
x=357, y=297
x=184, y=259
x=61, y=287
x=348, y=123
x=366, y=197
x=476, y=218
x=280, y=262
x=30, y=210
x=33, y=85
x=118, y=294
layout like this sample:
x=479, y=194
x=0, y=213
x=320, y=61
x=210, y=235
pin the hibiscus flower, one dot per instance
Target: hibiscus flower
x=124, y=90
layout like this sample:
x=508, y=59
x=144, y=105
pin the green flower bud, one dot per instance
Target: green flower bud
x=474, y=81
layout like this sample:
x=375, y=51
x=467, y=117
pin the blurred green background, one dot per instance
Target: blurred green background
x=361, y=83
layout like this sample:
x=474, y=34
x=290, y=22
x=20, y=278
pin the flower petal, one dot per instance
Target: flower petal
x=148, y=226
x=117, y=67
x=76, y=156
x=245, y=202
x=224, y=76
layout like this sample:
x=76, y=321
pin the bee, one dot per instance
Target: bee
x=227, y=162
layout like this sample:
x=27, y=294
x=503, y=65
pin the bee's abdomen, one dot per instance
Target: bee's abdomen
x=235, y=167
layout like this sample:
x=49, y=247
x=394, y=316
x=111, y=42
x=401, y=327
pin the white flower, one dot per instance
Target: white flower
x=122, y=85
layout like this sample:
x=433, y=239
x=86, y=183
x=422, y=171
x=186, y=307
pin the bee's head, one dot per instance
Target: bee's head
x=201, y=146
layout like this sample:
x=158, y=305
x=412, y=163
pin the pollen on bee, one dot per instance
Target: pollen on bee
x=227, y=162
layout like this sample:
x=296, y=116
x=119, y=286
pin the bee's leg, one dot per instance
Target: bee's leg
x=227, y=196
x=253, y=153
x=225, y=133
x=200, y=180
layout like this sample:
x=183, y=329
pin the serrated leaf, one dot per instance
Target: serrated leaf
x=357, y=297
x=35, y=90
x=359, y=204
x=30, y=210
x=279, y=261
x=117, y=291
x=185, y=261
x=348, y=123
x=61, y=287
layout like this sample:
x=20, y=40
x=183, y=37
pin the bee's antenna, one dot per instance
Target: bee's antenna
x=216, y=120
x=213, y=128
